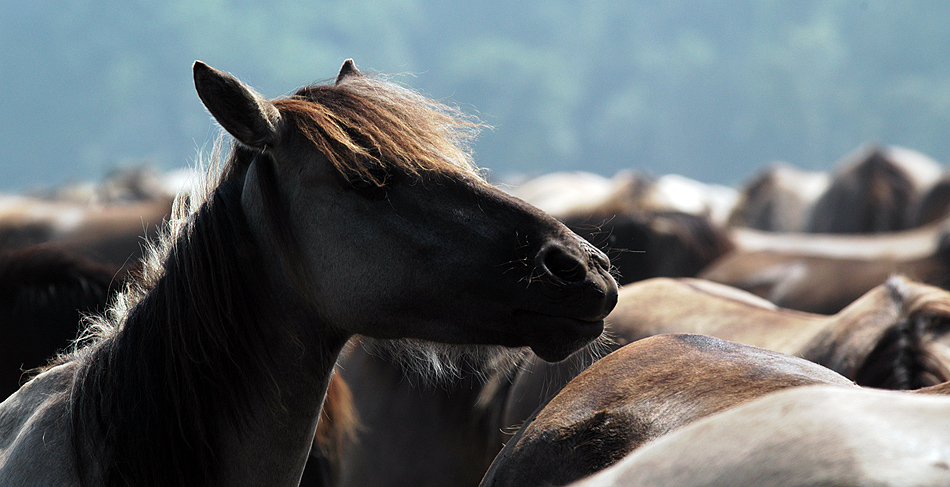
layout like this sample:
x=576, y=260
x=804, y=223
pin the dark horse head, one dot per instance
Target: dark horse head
x=380, y=205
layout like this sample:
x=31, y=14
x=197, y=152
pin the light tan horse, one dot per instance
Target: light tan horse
x=801, y=437
x=349, y=208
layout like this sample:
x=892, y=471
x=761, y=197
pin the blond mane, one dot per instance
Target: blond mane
x=365, y=123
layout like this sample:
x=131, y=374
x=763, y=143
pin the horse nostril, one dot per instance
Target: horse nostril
x=563, y=265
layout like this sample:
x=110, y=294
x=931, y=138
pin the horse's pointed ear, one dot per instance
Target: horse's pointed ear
x=348, y=69
x=246, y=115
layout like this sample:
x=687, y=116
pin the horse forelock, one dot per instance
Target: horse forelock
x=366, y=123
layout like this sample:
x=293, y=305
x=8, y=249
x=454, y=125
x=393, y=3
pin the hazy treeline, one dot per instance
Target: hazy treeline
x=709, y=89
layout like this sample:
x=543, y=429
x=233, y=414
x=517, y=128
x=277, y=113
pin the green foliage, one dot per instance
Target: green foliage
x=709, y=89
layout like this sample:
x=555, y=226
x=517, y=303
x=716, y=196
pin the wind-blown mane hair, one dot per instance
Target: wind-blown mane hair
x=178, y=355
x=365, y=125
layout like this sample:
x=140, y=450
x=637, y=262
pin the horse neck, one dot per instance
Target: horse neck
x=852, y=335
x=208, y=381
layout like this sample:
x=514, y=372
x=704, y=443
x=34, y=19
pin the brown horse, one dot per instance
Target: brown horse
x=934, y=205
x=344, y=209
x=645, y=244
x=800, y=437
x=894, y=337
x=874, y=189
x=407, y=420
x=636, y=394
x=113, y=234
x=778, y=199
x=649, y=227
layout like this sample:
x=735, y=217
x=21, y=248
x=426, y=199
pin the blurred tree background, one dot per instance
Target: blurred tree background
x=712, y=90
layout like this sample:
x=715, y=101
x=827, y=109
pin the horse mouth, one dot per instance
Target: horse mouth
x=554, y=338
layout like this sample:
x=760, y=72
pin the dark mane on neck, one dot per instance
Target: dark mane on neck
x=179, y=354
x=366, y=125
x=903, y=358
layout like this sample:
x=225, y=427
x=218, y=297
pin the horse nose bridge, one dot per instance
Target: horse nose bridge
x=596, y=256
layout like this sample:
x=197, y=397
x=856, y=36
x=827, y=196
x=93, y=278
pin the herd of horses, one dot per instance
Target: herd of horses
x=343, y=299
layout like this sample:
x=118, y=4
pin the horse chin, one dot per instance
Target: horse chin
x=564, y=336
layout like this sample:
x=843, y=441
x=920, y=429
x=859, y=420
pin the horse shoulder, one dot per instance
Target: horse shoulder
x=35, y=444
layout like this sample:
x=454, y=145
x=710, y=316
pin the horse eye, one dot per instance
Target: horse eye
x=361, y=184
x=369, y=189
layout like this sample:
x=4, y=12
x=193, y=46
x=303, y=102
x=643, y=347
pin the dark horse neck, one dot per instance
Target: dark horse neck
x=208, y=375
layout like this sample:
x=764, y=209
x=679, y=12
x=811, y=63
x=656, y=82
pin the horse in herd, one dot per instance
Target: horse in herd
x=111, y=233
x=805, y=436
x=639, y=393
x=874, y=189
x=805, y=271
x=346, y=301
x=212, y=366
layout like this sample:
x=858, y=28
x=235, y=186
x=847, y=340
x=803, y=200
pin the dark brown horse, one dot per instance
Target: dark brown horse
x=645, y=244
x=934, y=205
x=407, y=421
x=874, y=189
x=895, y=336
x=800, y=437
x=636, y=394
x=650, y=227
x=348, y=208
x=44, y=292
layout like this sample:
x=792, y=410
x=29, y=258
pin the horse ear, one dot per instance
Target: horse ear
x=348, y=69
x=246, y=115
